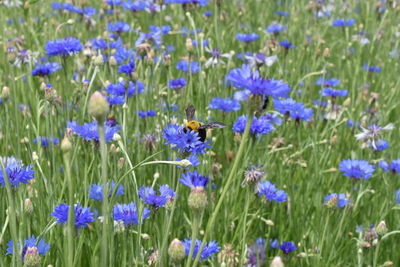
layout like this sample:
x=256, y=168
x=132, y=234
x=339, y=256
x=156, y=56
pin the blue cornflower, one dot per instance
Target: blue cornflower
x=99, y=44
x=207, y=14
x=383, y=165
x=356, y=169
x=127, y=68
x=224, y=104
x=276, y=28
x=321, y=81
x=372, y=68
x=194, y=179
x=205, y=43
x=32, y=242
x=127, y=213
x=208, y=251
x=119, y=89
x=188, y=141
x=256, y=253
x=286, y=44
x=83, y=215
x=397, y=196
x=45, y=141
x=177, y=83
x=270, y=193
x=247, y=37
x=334, y=93
x=321, y=103
x=146, y=113
x=259, y=59
x=287, y=247
x=336, y=200
x=150, y=37
x=394, y=166
x=281, y=13
x=380, y=145
x=343, y=22
x=114, y=2
x=96, y=191
x=149, y=196
x=16, y=172
x=292, y=109
x=46, y=69
x=244, y=78
x=260, y=125
x=63, y=47
x=183, y=65
x=135, y=5
x=89, y=131
x=118, y=27
x=274, y=243
x=165, y=29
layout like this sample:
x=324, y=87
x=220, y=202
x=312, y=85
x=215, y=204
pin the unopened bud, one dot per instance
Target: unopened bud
x=35, y=156
x=31, y=257
x=381, y=228
x=98, y=60
x=277, y=262
x=327, y=52
x=121, y=163
x=66, y=145
x=5, y=93
x=28, y=206
x=197, y=199
x=98, y=107
x=112, y=61
x=189, y=44
x=70, y=21
x=176, y=250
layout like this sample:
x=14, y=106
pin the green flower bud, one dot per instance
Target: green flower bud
x=381, y=228
x=277, y=262
x=98, y=107
x=66, y=145
x=198, y=198
x=176, y=250
x=32, y=257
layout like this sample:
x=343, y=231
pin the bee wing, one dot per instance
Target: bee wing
x=190, y=110
x=212, y=125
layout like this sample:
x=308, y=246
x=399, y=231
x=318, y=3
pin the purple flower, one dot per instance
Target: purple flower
x=16, y=172
x=270, y=193
x=83, y=215
x=256, y=253
x=63, y=47
x=127, y=213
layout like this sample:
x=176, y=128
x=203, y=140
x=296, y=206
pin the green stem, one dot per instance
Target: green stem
x=195, y=227
x=16, y=260
x=71, y=213
x=227, y=185
x=104, y=236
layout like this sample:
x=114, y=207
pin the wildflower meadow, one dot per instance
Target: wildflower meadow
x=200, y=133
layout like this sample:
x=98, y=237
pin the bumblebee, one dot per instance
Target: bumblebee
x=201, y=129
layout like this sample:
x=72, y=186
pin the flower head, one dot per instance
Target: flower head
x=256, y=253
x=343, y=22
x=32, y=244
x=46, y=69
x=270, y=193
x=247, y=37
x=356, y=169
x=287, y=247
x=208, y=250
x=194, y=179
x=262, y=125
x=83, y=215
x=336, y=200
x=127, y=213
x=96, y=191
x=224, y=104
x=276, y=28
x=333, y=93
x=394, y=166
x=63, y=47
x=149, y=196
x=177, y=83
x=89, y=131
x=16, y=172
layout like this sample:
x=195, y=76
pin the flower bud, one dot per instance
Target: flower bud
x=98, y=60
x=121, y=163
x=176, y=250
x=381, y=228
x=198, y=198
x=98, y=107
x=112, y=61
x=32, y=257
x=66, y=145
x=28, y=206
x=332, y=202
x=189, y=44
x=277, y=262
x=5, y=93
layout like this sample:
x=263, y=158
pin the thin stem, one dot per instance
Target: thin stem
x=104, y=236
x=195, y=227
x=227, y=185
x=16, y=260
x=71, y=213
